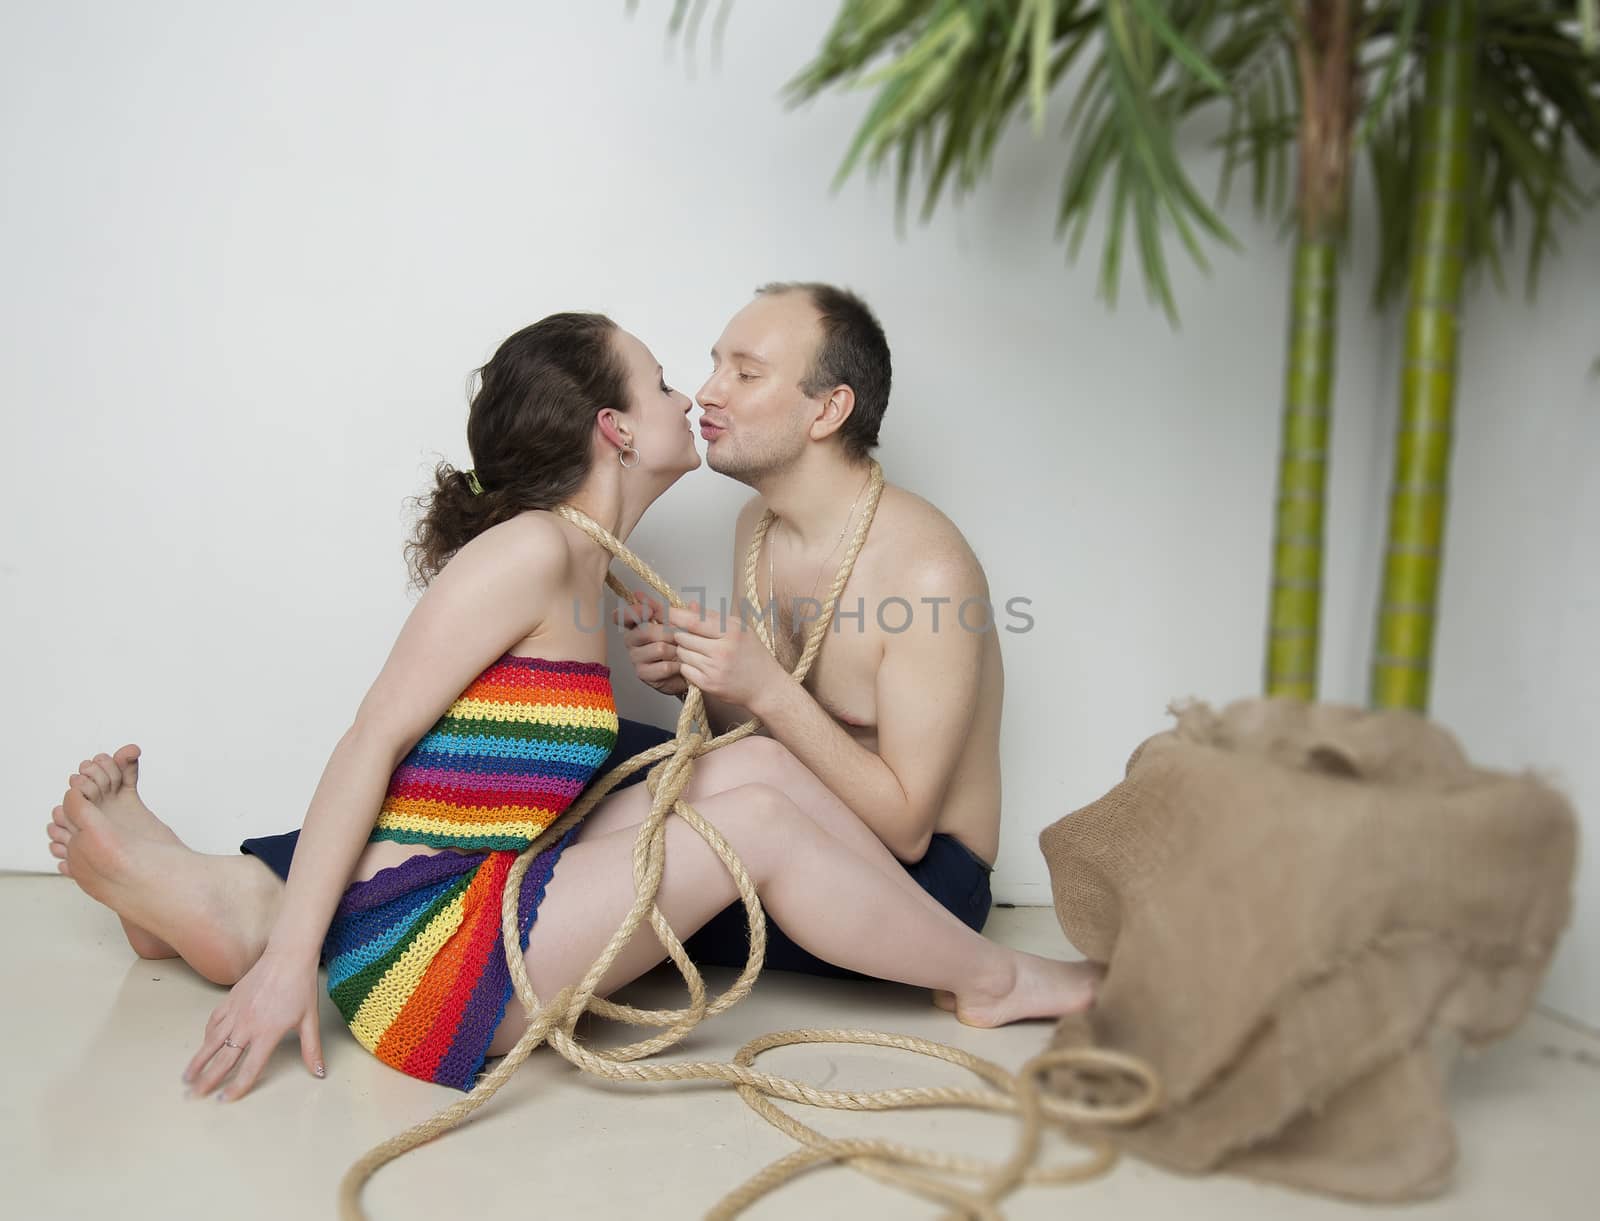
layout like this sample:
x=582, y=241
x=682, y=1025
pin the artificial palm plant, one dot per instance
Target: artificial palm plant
x=1481, y=111
x=950, y=75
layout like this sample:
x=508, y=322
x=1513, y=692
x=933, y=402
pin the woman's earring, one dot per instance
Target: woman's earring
x=622, y=456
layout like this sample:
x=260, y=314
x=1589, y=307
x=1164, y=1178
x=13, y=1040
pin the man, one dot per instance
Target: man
x=900, y=714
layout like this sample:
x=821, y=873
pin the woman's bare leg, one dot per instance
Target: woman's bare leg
x=213, y=911
x=760, y=760
x=828, y=898
x=220, y=908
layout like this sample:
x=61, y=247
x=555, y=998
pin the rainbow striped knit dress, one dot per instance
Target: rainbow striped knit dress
x=414, y=953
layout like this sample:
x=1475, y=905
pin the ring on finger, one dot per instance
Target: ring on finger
x=227, y=1042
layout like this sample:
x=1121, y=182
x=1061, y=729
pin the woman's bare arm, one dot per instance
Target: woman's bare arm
x=497, y=591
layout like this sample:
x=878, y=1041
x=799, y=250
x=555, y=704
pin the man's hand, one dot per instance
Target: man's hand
x=651, y=646
x=723, y=657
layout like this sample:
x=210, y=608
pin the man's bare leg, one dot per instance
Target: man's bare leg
x=829, y=898
x=215, y=912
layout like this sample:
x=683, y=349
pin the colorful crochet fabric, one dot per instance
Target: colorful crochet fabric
x=414, y=954
x=510, y=754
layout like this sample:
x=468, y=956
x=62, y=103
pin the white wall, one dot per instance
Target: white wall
x=251, y=254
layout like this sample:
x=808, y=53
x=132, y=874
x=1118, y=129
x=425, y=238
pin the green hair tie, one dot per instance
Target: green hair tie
x=472, y=482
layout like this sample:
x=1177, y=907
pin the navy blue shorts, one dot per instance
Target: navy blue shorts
x=950, y=871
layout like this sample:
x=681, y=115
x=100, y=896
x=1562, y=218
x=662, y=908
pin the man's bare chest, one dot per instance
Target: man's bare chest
x=843, y=678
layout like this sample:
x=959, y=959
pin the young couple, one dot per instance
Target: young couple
x=867, y=817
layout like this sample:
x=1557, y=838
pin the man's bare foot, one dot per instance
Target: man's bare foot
x=213, y=911
x=1038, y=988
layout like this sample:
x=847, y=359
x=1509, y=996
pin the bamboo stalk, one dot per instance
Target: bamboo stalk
x=1403, y=651
x=1326, y=68
x=1294, y=626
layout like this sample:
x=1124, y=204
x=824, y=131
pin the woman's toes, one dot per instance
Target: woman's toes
x=127, y=761
x=59, y=814
x=59, y=833
x=64, y=868
x=78, y=809
x=107, y=773
x=96, y=841
x=84, y=785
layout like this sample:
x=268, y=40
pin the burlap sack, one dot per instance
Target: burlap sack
x=1293, y=901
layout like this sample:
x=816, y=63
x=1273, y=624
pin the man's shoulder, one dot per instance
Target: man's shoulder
x=924, y=546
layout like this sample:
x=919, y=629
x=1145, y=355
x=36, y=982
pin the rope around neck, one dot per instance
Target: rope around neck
x=671, y=765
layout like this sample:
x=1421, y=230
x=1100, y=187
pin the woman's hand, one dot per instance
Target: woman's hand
x=279, y=994
x=651, y=648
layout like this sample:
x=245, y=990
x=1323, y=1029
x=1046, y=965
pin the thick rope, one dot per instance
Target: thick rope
x=671, y=765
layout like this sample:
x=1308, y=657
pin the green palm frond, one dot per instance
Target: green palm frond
x=1264, y=117
x=951, y=75
x=1395, y=57
x=1536, y=118
x=1390, y=149
x=1539, y=100
x=688, y=14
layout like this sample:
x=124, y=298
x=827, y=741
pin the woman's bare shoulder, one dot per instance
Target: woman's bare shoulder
x=535, y=545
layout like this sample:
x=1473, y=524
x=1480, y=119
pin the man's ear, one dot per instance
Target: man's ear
x=833, y=411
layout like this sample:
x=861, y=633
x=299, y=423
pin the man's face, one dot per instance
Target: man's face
x=755, y=420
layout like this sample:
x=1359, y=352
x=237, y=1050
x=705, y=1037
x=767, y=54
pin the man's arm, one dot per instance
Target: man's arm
x=723, y=715
x=927, y=689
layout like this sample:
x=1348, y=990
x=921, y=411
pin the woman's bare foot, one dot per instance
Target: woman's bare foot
x=213, y=911
x=1038, y=988
x=145, y=943
x=112, y=782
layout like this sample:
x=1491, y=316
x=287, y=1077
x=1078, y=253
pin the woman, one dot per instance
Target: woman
x=492, y=712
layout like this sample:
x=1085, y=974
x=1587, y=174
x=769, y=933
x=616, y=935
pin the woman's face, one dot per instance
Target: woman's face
x=657, y=416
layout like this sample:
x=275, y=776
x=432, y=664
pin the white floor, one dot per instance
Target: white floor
x=95, y=1122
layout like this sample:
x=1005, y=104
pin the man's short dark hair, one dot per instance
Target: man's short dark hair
x=853, y=352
